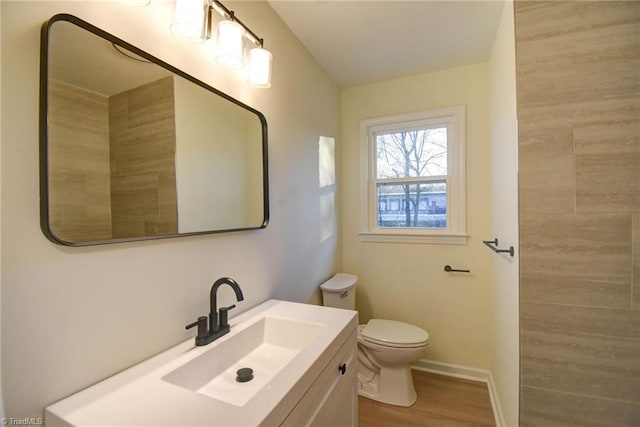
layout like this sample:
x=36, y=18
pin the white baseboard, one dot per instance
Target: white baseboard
x=467, y=373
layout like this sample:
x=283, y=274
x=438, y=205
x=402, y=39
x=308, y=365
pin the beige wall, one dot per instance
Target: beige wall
x=406, y=282
x=578, y=89
x=79, y=182
x=142, y=136
x=504, y=148
x=73, y=316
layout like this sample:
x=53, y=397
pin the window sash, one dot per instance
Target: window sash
x=455, y=233
x=415, y=211
x=380, y=132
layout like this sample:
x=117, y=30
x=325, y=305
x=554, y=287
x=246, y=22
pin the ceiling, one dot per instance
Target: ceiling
x=359, y=42
x=83, y=59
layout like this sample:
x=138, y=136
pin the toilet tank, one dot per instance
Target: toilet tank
x=340, y=291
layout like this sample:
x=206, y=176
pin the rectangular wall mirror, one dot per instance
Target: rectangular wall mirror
x=131, y=148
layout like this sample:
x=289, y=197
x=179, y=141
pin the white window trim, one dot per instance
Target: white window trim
x=456, y=232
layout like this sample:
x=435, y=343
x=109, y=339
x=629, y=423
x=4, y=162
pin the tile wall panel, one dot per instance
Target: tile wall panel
x=547, y=178
x=79, y=184
x=635, y=294
x=580, y=320
x=579, y=139
x=592, y=365
x=588, y=247
x=143, y=189
x=550, y=408
x=576, y=66
x=544, y=286
x=607, y=156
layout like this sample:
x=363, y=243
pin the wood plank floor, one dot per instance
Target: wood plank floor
x=442, y=401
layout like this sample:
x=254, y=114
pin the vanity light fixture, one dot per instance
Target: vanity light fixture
x=230, y=51
x=260, y=67
x=190, y=20
x=193, y=21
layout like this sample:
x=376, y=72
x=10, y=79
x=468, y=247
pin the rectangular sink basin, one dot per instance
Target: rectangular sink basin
x=266, y=346
x=287, y=344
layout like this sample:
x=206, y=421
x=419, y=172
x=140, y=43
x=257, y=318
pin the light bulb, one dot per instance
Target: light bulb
x=230, y=44
x=189, y=19
x=260, y=67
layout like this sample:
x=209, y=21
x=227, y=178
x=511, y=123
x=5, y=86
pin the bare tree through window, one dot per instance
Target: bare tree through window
x=411, y=170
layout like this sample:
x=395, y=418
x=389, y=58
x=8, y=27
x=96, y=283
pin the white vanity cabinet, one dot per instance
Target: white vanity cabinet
x=304, y=358
x=333, y=397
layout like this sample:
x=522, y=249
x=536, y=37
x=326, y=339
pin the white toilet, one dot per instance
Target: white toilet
x=386, y=348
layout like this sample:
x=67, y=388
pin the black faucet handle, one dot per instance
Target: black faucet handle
x=201, y=323
x=224, y=316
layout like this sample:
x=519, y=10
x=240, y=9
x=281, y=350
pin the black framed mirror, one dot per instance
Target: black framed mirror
x=132, y=148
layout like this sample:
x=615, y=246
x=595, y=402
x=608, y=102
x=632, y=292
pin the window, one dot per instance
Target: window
x=413, y=177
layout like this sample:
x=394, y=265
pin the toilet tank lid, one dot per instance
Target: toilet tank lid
x=339, y=283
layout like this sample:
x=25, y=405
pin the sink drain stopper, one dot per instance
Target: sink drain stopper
x=244, y=375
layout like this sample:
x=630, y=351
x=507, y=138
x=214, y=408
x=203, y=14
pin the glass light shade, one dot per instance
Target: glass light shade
x=189, y=19
x=230, y=44
x=260, y=67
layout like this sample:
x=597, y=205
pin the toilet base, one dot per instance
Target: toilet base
x=393, y=386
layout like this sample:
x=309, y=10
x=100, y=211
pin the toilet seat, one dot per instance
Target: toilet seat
x=391, y=333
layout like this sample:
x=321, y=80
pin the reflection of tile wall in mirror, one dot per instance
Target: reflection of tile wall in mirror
x=114, y=158
x=143, y=172
x=161, y=134
x=79, y=183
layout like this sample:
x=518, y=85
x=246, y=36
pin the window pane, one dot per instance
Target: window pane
x=421, y=152
x=415, y=205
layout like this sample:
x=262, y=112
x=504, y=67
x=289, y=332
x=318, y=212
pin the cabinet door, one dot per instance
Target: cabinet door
x=341, y=409
x=337, y=380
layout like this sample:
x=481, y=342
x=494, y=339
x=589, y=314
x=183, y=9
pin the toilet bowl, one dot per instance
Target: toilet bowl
x=386, y=348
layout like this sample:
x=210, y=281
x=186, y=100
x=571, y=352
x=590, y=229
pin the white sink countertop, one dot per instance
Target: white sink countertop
x=160, y=390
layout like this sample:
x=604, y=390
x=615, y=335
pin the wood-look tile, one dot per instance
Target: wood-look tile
x=158, y=144
x=78, y=158
x=167, y=204
x=636, y=262
x=135, y=203
x=128, y=227
x=154, y=93
x=596, y=248
x=130, y=182
x=593, y=55
x=152, y=115
x=79, y=108
x=548, y=408
x=159, y=228
x=546, y=171
x=152, y=166
x=607, y=168
x=577, y=320
x=538, y=286
x=583, y=113
x=442, y=401
x=87, y=158
x=542, y=19
x=142, y=161
x=592, y=365
x=118, y=112
x=576, y=70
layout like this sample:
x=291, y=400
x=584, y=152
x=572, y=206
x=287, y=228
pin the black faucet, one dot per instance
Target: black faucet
x=218, y=322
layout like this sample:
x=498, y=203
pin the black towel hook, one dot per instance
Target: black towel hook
x=493, y=245
x=449, y=269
